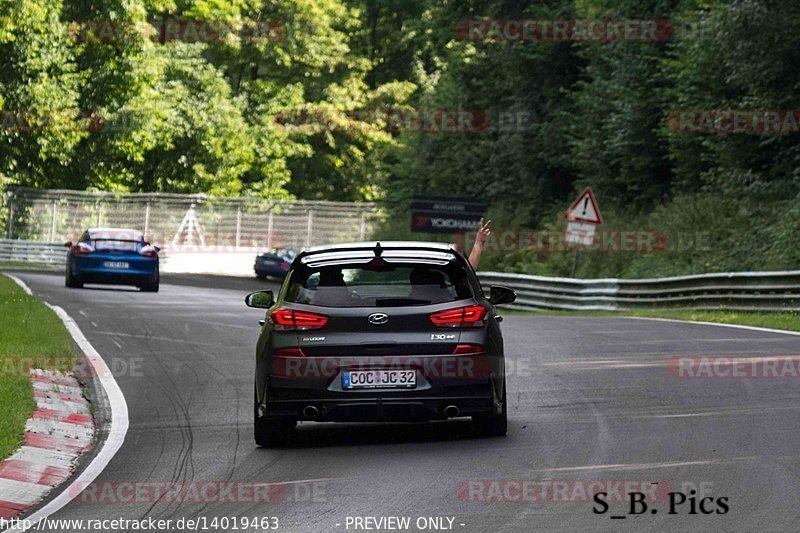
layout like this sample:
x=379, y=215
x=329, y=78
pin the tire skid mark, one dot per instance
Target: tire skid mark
x=184, y=464
x=179, y=409
x=234, y=387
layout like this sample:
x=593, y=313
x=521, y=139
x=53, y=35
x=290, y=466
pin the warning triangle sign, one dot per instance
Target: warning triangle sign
x=584, y=209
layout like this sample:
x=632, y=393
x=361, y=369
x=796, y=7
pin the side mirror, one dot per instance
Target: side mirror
x=501, y=295
x=260, y=299
x=68, y=244
x=157, y=248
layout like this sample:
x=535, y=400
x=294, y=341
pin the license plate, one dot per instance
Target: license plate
x=117, y=265
x=379, y=379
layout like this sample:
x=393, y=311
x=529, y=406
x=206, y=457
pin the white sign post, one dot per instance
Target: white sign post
x=583, y=217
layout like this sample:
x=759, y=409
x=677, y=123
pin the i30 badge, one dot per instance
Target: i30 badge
x=378, y=318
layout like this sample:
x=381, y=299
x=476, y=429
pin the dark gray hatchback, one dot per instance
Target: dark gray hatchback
x=390, y=331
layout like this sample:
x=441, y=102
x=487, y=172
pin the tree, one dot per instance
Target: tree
x=39, y=91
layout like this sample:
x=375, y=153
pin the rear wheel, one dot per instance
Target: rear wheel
x=71, y=281
x=150, y=287
x=270, y=432
x=494, y=425
x=261, y=276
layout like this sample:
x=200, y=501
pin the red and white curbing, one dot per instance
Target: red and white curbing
x=60, y=430
x=116, y=432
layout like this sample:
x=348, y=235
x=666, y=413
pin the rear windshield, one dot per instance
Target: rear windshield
x=113, y=241
x=395, y=284
x=115, y=245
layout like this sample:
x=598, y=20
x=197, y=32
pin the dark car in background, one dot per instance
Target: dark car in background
x=274, y=263
x=113, y=256
x=391, y=331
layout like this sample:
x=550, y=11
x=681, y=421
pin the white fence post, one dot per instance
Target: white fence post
x=10, y=222
x=309, y=227
x=238, y=226
x=363, y=229
x=147, y=218
x=269, y=229
x=53, y=221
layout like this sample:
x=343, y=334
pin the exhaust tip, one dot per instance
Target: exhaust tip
x=310, y=412
x=452, y=411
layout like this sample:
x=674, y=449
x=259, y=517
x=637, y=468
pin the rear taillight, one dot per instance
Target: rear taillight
x=467, y=349
x=82, y=249
x=290, y=320
x=285, y=266
x=289, y=352
x=471, y=316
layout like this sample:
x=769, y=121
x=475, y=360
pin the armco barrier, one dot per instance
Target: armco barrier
x=736, y=291
x=37, y=253
x=239, y=263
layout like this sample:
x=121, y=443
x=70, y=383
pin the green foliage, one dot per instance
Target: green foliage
x=39, y=90
x=739, y=55
x=134, y=113
x=303, y=112
x=717, y=202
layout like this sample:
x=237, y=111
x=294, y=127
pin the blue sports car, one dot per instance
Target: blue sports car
x=113, y=256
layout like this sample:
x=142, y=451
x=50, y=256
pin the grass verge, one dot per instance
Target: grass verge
x=789, y=321
x=31, y=336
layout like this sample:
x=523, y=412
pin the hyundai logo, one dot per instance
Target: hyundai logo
x=378, y=318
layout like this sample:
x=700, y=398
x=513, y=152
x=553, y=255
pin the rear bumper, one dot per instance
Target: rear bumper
x=90, y=269
x=115, y=278
x=274, y=272
x=471, y=395
x=380, y=409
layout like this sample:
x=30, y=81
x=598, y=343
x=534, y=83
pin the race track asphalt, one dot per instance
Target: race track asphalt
x=589, y=399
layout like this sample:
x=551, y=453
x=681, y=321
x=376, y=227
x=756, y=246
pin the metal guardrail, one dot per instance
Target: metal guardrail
x=189, y=261
x=33, y=252
x=735, y=291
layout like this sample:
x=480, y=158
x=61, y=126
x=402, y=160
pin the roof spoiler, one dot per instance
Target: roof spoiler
x=378, y=249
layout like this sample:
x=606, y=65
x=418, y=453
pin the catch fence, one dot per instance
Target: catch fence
x=204, y=223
